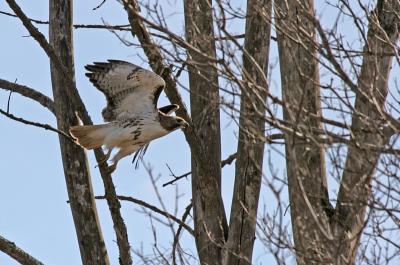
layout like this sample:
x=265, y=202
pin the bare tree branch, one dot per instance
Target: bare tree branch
x=224, y=162
x=41, y=39
x=36, y=124
x=77, y=26
x=250, y=152
x=28, y=92
x=16, y=253
x=65, y=74
x=178, y=232
x=102, y=3
x=154, y=209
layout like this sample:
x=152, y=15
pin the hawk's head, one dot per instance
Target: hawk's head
x=171, y=123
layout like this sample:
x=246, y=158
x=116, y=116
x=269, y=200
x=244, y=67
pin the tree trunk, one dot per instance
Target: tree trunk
x=250, y=152
x=75, y=164
x=208, y=210
x=323, y=236
x=368, y=121
x=304, y=158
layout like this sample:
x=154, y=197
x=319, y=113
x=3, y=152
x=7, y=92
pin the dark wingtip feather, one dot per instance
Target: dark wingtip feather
x=102, y=65
x=116, y=61
x=90, y=67
x=95, y=68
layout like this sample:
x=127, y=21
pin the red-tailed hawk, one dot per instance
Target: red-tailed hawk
x=131, y=112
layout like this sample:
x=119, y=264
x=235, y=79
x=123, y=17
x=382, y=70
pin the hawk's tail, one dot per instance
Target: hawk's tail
x=90, y=136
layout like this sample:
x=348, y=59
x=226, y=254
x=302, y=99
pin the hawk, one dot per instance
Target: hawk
x=132, y=117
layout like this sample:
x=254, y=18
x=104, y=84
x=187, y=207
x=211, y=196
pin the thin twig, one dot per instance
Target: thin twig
x=224, y=162
x=176, y=178
x=97, y=7
x=37, y=124
x=28, y=92
x=154, y=209
x=121, y=39
x=157, y=192
x=8, y=102
x=77, y=26
x=228, y=160
x=97, y=26
x=32, y=20
x=184, y=64
x=178, y=232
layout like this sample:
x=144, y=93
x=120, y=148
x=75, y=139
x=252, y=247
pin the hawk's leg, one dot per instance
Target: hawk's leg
x=125, y=151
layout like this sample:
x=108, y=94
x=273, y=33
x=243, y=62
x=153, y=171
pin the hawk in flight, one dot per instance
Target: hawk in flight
x=132, y=117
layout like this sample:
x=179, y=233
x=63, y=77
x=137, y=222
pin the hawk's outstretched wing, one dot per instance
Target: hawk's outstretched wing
x=130, y=90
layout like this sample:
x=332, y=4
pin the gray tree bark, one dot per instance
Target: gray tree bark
x=75, y=164
x=208, y=209
x=250, y=151
x=304, y=159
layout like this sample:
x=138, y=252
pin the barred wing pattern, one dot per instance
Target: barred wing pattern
x=129, y=89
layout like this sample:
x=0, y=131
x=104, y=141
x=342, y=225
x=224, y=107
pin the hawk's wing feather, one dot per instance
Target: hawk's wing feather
x=129, y=89
x=167, y=110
